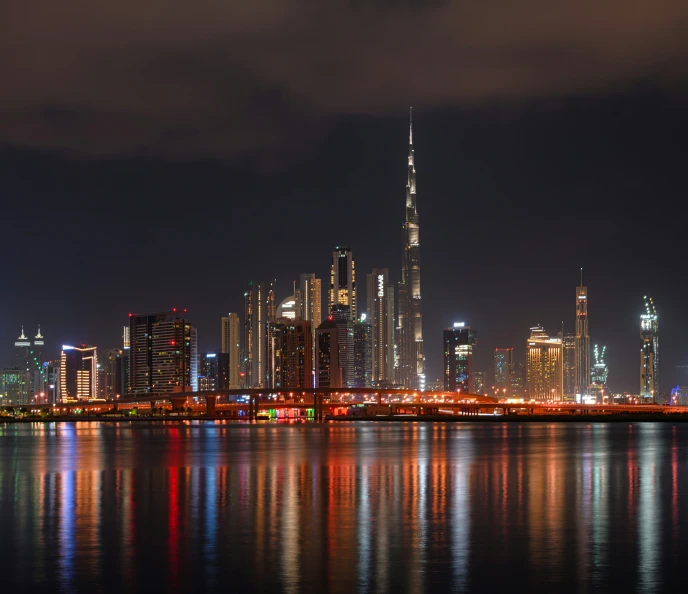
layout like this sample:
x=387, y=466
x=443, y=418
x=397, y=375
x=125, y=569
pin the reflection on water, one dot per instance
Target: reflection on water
x=346, y=507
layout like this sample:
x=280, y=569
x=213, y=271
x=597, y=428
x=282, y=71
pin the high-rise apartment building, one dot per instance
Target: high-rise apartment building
x=458, y=358
x=329, y=373
x=163, y=353
x=363, y=354
x=518, y=381
x=479, y=383
x=598, y=375
x=343, y=281
x=569, y=346
x=503, y=371
x=649, y=351
x=78, y=373
x=231, y=346
x=582, y=340
x=411, y=369
x=380, y=315
x=345, y=341
x=309, y=304
x=259, y=310
x=111, y=384
x=297, y=356
x=11, y=388
x=544, y=366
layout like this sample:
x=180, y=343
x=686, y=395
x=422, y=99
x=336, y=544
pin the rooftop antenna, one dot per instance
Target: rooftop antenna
x=410, y=125
x=581, y=276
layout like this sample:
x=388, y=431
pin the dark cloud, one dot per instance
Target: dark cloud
x=177, y=78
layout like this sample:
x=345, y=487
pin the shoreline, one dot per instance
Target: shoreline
x=620, y=418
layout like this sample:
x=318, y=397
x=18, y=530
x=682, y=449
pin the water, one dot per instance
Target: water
x=345, y=507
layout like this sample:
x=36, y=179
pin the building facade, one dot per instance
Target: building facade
x=78, y=373
x=297, y=355
x=649, y=351
x=163, y=355
x=343, y=281
x=582, y=340
x=503, y=371
x=231, y=346
x=309, y=304
x=411, y=367
x=544, y=367
x=259, y=310
x=479, y=383
x=569, y=346
x=363, y=354
x=380, y=315
x=458, y=358
x=329, y=373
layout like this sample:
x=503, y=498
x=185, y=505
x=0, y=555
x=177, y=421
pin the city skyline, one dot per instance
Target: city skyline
x=504, y=334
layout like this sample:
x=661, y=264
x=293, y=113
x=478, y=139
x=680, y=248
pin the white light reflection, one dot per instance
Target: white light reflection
x=650, y=507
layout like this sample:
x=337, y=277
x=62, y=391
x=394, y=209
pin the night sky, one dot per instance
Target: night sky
x=162, y=154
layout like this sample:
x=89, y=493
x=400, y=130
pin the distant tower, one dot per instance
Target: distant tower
x=582, y=340
x=545, y=366
x=649, y=351
x=458, y=358
x=569, y=345
x=503, y=371
x=231, y=346
x=309, y=305
x=259, y=310
x=343, y=281
x=380, y=315
x=411, y=358
x=599, y=375
x=78, y=373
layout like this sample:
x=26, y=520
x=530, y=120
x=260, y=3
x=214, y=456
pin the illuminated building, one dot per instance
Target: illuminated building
x=345, y=340
x=518, y=385
x=503, y=371
x=111, y=384
x=287, y=308
x=309, y=303
x=273, y=367
x=22, y=354
x=582, y=340
x=11, y=388
x=679, y=395
x=411, y=367
x=343, y=281
x=649, y=351
x=259, y=309
x=163, y=354
x=231, y=347
x=329, y=373
x=380, y=315
x=544, y=366
x=78, y=373
x=363, y=354
x=569, y=346
x=297, y=355
x=208, y=372
x=599, y=374
x=458, y=357
x=478, y=383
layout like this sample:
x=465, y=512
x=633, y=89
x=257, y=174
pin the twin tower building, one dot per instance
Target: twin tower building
x=299, y=343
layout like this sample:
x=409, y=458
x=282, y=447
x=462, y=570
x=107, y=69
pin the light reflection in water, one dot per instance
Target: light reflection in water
x=350, y=507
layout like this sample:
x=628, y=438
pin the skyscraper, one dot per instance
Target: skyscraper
x=380, y=315
x=478, y=382
x=363, y=354
x=297, y=356
x=458, y=358
x=345, y=342
x=569, y=346
x=309, y=304
x=582, y=340
x=544, y=366
x=259, y=309
x=503, y=371
x=649, y=351
x=343, y=281
x=163, y=353
x=78, y=373
x=411, y=359
x=328, y=371
x=231, y=346
x=599, y=374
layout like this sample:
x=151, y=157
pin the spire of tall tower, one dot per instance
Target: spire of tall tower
x=581, y=276
x=39, y=332
x=411, y=126
x=22, y=337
